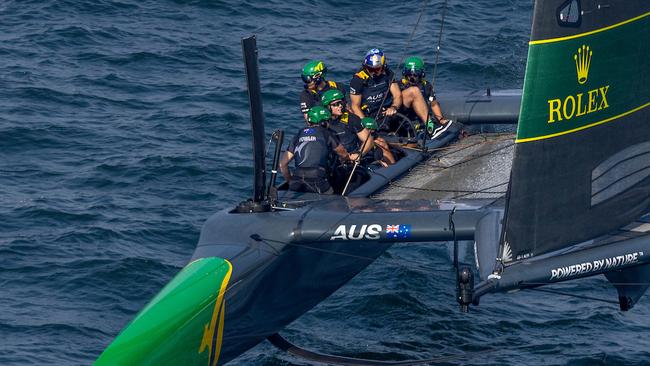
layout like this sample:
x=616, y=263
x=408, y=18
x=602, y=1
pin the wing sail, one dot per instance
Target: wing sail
x=581, y=166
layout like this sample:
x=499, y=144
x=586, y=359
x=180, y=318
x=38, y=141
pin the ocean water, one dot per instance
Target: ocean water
x=124, y=125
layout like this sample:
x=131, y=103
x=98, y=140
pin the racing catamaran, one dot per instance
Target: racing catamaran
x=578, y=204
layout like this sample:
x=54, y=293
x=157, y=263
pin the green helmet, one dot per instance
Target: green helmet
x=413, y=66
x=318, y=114
x=314, y=71
x=369, y=123
x=332, y=95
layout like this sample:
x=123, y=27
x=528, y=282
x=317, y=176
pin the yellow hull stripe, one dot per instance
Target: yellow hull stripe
x=551, y=40
x=610, y=119
x=219, y=333
x=212, y=327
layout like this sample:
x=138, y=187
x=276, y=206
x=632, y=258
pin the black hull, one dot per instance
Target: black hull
x=286, y=262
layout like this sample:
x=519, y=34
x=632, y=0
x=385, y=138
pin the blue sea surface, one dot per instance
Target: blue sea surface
x=124, y=125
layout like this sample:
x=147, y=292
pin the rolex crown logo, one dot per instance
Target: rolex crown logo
x=583, y=61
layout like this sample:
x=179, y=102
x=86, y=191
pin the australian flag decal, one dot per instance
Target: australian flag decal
x=398, y=231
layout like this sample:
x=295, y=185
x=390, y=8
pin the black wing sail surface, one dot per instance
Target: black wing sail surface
x=581, y=167
x=578, y=203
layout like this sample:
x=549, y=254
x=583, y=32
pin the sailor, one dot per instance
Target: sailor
x=312, y=147
x=380, y=152
x=419, y=99
x=347, y=128
x=345, y=125
x=313, y=75
x=373, y=89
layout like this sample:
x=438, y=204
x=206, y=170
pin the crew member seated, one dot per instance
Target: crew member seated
x=313, y=75
x=381, y=152
x=374, y=92
x=312, y=147
x=346, y=126
x=419, y=99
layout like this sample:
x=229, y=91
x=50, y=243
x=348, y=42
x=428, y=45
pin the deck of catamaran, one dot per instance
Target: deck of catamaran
x=475, y=166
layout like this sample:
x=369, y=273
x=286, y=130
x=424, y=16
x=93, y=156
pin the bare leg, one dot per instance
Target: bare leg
x=412, y=98
x=437, y=112
x=388, y=155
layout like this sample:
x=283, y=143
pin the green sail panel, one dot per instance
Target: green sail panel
x=582, y=159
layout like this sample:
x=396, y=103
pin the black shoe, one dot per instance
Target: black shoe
x=441, y=129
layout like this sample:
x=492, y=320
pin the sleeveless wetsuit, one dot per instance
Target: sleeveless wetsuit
x=311, y=147
x=372, y=90
x=345, y=129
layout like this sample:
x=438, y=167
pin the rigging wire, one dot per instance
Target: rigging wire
x=483, y=190
x=605, y=283
x=281, y=343
x=342, y=254
x=304, y=246
x=458, y=147
x=406, y=48
x=435, y=64
x=570, y=295
x=398, y=262
x=408, y=43
x=474, y=157
x=465, y=192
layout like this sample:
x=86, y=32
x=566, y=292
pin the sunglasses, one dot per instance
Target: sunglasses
x=338, y=103
x=375, y=70
x=414, y=74
x=311, y=78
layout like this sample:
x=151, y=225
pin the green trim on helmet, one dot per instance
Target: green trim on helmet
x=314, y=67
x=369, y=123
x=318, y=114
x=413, y=64
x=331, y=95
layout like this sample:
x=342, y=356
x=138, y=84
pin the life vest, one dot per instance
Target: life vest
x=405, y=84
x=310, y=148
x=345, y=117
x=376, y=91
x=329, y=86
x=346, y=135
x=310, y=98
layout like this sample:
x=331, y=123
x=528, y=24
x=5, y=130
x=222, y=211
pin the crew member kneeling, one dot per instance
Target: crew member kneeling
x=311, y=148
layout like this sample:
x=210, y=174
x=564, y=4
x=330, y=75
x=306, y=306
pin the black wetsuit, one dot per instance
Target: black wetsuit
x=345, y=128
x=372, y=90
x=427, y=92
x=312, y=147
x=310, y=98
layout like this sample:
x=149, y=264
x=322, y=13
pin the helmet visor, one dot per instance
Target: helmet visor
x=374, y=70
x=311, y=78
x=414, y=73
